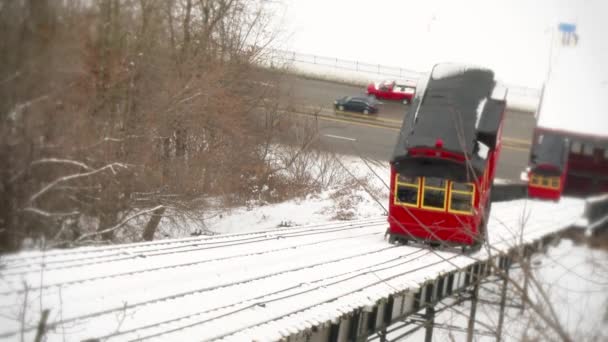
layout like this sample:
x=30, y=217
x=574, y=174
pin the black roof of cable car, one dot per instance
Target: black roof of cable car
x=551, y=150
x=448, y=111
x=453, y=107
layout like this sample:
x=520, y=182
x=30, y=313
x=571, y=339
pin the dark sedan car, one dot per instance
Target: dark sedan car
x=361, y=104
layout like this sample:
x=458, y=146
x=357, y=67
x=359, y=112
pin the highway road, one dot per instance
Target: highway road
x=375, y=136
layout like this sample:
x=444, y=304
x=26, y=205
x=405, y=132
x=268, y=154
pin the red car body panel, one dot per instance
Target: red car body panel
x=544, y=187
x=422, y=172
x=585, y=172
x=418, y=223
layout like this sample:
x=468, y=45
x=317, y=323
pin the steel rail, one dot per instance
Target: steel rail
x=166, y=251
x=116, y=275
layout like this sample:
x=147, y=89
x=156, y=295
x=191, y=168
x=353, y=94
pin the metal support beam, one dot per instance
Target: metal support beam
x=471, y=327
x=353, y=328
x=430, y=322
x=497, y=304
x=503, y=300
x=334, y=332
x=526, y=269
x=382, y=335
x=453, y=328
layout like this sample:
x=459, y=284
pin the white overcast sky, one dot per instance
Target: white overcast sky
x=512, y=37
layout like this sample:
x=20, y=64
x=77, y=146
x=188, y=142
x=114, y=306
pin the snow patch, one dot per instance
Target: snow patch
x=480, y=107
x=445, y=70
x=483, y=150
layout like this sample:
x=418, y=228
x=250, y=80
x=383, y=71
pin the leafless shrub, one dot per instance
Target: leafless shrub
x=118, y=110
x=346, y=199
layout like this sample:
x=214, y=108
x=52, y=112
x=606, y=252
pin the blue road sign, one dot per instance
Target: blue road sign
x=567, y=27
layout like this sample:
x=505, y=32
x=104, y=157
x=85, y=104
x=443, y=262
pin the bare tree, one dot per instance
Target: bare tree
x=119, y=110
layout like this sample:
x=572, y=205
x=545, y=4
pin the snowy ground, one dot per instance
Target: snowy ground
x=575, y=276
x=256, y=286
x=336, y=203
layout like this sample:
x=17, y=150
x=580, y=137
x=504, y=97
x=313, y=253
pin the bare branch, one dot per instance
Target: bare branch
x=74, y=176
x=49, y=214
x=50, y=161
x=62, y=161
x=122, y=223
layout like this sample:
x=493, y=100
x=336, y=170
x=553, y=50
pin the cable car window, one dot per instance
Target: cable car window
x=535, y=180
x=434, y=182
x=407, y=190
x=468, y=187
x=434, y=193
x=575, y=147
x=545, y=182
x=406, y=195
x=539, y=180
x=407, y=180
x=461, y=197
x=588, y=149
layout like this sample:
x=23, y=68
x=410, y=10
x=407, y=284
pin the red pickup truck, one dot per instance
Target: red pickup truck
x=393, y=90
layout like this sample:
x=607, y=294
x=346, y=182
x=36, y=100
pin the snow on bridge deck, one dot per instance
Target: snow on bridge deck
x=254, y=286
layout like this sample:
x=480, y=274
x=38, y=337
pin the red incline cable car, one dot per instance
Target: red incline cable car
x=563, y=162
x=444, y=162
x=569, y=152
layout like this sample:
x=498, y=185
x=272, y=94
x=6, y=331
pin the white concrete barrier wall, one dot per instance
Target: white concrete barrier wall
x=360, y=73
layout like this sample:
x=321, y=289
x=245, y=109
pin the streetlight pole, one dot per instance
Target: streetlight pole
x=551, y=43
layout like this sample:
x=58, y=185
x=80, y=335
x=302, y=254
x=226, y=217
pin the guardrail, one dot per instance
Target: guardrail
x=358, y=72
x=282, y=56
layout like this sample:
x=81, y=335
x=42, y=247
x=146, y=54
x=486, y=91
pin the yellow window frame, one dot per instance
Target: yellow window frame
x=409, y=185
x=555, y=182
x=445, y=195
x=537, y=181
x=462, y=192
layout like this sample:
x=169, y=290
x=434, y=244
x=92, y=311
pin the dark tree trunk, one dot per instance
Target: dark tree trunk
x=153, y=224
x=165, y=159
x=186, y=38
x=180, y=142
x=7, y=236
x=107, y=220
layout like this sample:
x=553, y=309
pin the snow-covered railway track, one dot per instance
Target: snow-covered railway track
x=262, y=290
x=274, y=295
x=35, y=256
x=352, y=243
x=132, y=251
x=13, y=282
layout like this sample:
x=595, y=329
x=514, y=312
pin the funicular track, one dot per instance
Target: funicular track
x=121, y=252
x=276, y=284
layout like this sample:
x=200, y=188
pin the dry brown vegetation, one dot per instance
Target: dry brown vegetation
x=116, y=110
